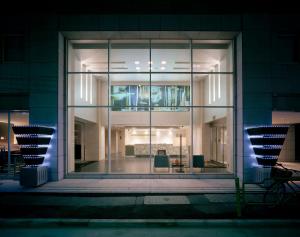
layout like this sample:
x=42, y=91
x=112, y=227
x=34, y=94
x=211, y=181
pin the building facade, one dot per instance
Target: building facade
x=121, y=90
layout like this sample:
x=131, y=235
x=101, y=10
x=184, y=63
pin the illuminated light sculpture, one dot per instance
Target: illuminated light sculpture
x=34, y=141
x=267, y=142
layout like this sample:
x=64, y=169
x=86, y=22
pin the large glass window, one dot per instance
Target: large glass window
x=10, y=156
x=150, y=106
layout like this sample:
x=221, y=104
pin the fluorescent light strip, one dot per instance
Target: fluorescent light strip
x=214, y=87
x=219, y=82
x=91, y=89
x=86, y=88
x=209, y=88
x=81, y=83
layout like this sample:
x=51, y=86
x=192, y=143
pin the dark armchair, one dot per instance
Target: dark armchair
x=161, y=161
x=198, y=161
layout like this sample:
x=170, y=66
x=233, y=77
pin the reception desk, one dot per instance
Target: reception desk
x=142, y=150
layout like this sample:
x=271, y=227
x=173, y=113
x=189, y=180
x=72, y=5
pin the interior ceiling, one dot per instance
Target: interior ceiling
x=17, y=118
x=282, y=117
x=135, y=60
x=168, y=57
x=145, y=78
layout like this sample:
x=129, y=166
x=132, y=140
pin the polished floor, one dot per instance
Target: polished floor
x=142, y=165
x=291, y=165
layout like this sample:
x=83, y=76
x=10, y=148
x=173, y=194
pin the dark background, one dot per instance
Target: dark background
x=150, y=6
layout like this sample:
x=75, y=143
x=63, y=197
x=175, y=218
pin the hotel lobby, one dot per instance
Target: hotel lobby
x=150, y=106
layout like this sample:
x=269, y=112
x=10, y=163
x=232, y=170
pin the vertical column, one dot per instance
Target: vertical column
x=191, y=110
x=109, y=114
x=150, y=121
x=8, y=144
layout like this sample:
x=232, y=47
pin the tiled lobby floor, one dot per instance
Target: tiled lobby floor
x=132, y=165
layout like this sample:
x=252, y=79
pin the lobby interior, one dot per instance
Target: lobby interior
x=150, y=106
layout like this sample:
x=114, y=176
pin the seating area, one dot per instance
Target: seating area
x=161, y=160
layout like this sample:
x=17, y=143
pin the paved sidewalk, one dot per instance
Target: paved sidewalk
x=122, y=186
x=148, y=228
x=136, y=199
x=138, y=206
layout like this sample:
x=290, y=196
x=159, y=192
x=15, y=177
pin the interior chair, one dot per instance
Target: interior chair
x=198, y=161
x=161, y=161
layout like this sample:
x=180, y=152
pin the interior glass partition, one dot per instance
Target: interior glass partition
x=150, y=106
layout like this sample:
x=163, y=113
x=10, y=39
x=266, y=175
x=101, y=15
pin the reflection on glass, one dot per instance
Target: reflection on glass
x=17, y=119
x=3, y=143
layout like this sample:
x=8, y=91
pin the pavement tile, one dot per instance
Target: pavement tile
x=221, y=198
x=166, y=200
x=198, y=199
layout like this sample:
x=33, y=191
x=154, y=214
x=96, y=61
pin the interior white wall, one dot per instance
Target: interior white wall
x=285, y=117
x=287, y=153
x=91, y=133
x=158, y=136
x=102, y=115
x=198, y=97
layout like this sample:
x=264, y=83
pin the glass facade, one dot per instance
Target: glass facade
x=150, y=106
x=10, y=156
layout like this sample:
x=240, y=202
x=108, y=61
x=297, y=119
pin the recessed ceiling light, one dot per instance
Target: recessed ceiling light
x=163, y=62
x=181, y=68
x=136, y=62
x=119, y=68
x=150, y=62
x=137, y=68
x=162, y=68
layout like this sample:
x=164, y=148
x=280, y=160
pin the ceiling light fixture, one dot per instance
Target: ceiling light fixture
x=137, y=68
x=163, y=62
x=136, y=62
x=150, y=62
x=162, y=68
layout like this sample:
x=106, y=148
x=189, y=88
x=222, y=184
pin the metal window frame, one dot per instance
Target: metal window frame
x=191, y=107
